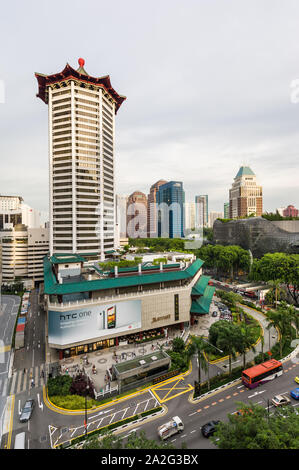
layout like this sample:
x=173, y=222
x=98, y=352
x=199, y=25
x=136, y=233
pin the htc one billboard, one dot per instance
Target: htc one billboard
x=93, y=322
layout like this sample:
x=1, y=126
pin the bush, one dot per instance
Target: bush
x=59, y=385
x=73, y=402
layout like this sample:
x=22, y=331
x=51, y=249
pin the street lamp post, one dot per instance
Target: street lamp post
x=85, y=421
x=220, y=350
x=207, y=361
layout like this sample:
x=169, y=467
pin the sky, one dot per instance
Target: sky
x=210, y=86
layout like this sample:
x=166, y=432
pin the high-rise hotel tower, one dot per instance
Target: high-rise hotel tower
x=81, y=159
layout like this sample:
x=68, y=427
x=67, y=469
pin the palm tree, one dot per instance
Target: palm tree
x=246, y=341
x=275, y=285
x=281, y=319
x=197, y=346
x=229, y=339
x=262, y=343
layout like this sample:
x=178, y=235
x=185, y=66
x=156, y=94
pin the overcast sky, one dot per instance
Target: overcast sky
x=208, y=87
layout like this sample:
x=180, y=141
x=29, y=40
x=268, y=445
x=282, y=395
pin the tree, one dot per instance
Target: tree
x=255, y=429
x=109, y=440
x=228, y=339
x=140, y=441
x=178, y=345
x=281, y=319
x=197, y=346
x=246, y=341
x=276, y=287
x=282, y=266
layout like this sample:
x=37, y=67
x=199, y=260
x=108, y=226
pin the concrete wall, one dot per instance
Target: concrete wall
x=288, y=225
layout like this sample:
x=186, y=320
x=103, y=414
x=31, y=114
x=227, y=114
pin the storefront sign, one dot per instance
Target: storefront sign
x=165, y=317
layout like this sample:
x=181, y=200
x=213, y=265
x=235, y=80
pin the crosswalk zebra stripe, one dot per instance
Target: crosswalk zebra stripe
x=4, y=388
x=19, y=382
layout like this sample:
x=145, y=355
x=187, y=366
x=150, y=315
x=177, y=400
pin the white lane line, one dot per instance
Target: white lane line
x=146, y=404
x=125, y=412
x=193, y=431
x=136, y=408
x=195, y=412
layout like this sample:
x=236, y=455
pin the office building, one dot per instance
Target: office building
x=121, y=202
x=245, y=196
x=190, y=209
x=137, y=215
x=202, y=210
x=171, y=200
x=81, y=110
x=22, y=252
x=152, y=213
x=14, y=211
x=226, y=210
x=214, y=216
x=290, y=211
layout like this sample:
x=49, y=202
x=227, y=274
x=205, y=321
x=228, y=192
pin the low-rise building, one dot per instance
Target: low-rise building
x=88, y=309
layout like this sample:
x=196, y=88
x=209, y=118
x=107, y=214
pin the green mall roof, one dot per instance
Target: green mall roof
x=51, y=286
x=202, y=305
x=61, y=258
x=201, y=285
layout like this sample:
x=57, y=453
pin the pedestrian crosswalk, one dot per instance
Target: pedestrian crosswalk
x=22, y=381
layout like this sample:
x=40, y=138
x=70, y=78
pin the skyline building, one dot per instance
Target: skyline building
x=171, y=200
x=226, y=210
x=202, y=210
x=290, y=211
x=214, y=216
x=152, y=216
x=22, y=252
x=81, y=115
x=137, y=215
x=190, y=209
x=121, y=202
x=245, y=196
x=14, y=211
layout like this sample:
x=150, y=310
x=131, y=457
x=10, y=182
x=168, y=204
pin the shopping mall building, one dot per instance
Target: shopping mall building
x=88, y=309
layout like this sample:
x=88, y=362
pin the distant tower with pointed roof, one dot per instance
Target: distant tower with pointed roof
x=245, y=196
x=81, y=111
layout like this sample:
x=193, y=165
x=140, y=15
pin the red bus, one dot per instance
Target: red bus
x=256, y=375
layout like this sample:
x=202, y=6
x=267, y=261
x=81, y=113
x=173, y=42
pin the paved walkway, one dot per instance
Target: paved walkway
x=104, y=359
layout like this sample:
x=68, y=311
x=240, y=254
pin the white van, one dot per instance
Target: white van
x=20, y=441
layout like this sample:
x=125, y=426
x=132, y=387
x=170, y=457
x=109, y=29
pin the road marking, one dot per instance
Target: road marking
x=242, y=391
x=236, y=393
x=193, y=413
x=198, y=411
x=206, y=407
x=229, y=396
x=214, y=403
x=221, y=399
x=193, y=431
x=19, y=382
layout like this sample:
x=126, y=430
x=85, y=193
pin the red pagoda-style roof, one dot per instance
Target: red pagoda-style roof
x=69, y=73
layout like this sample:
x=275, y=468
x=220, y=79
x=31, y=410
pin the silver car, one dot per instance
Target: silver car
x=280, y=400
x=27, y=411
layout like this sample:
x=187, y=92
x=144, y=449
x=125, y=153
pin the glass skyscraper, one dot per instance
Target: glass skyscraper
x=170, y=208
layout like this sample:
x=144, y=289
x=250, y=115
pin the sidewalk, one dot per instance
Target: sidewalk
x=105, y=358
